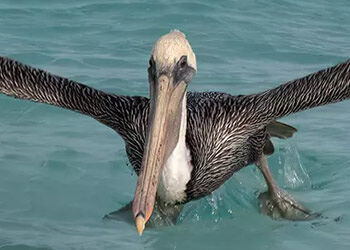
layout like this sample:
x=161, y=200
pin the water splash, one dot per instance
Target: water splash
x=291, y=173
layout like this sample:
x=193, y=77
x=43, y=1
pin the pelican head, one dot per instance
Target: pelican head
x=171, y=68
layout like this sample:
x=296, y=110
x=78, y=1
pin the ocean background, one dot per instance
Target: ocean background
x=61, y=172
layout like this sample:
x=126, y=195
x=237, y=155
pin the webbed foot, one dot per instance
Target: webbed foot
x=276, y=202
x=281, y=205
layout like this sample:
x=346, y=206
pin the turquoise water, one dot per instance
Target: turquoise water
x=60, y=172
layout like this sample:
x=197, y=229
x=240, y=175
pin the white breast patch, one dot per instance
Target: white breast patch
x=175, y=175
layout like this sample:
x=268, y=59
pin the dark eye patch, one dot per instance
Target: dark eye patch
x=150, y=63
x=152, y=66
x=182, y=71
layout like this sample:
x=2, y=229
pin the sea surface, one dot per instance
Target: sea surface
x=61, y=172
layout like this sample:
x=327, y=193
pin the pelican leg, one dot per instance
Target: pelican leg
x=276, y=202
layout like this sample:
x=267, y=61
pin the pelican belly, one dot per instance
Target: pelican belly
x=175, y=175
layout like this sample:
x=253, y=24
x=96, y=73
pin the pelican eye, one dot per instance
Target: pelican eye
x=183, y=62
x=183, y=71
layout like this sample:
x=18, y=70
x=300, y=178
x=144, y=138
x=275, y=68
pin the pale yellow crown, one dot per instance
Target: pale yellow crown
x=170, y=48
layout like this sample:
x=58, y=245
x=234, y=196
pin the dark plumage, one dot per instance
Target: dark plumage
x=224, y=133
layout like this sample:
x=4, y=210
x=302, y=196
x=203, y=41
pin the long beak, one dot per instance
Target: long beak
x=162, y=136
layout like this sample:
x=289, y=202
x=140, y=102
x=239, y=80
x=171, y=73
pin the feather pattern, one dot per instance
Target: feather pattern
x=224, y=133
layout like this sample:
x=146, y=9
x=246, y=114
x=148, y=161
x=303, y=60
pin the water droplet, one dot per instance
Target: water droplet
x=196, y=216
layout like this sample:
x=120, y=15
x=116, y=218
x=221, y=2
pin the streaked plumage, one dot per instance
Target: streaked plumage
x=225, y=133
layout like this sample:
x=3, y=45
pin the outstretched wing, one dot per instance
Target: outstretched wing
x=121, y=113
x=320, y=88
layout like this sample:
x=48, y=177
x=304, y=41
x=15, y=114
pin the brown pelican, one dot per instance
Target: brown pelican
x=183, y=145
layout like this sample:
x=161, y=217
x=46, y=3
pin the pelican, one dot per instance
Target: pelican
x=185, y=145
